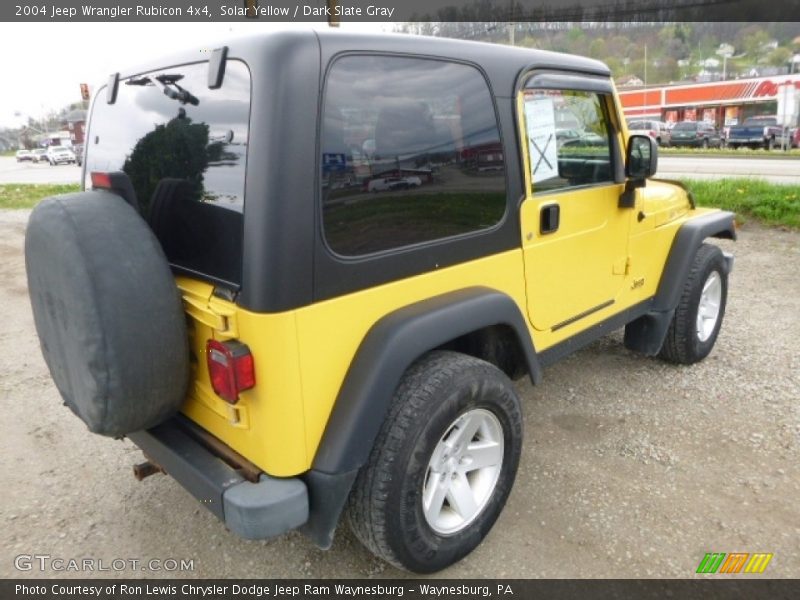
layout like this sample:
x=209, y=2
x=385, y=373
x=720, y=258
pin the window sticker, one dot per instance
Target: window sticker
x=540, y=122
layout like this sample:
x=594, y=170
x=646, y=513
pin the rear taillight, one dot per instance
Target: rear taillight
x=699, y=134
x=231, y=368
x=653, y=135
x=101, y=180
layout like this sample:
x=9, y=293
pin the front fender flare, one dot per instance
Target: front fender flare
x=684, y=247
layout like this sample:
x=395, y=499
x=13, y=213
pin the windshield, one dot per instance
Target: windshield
x=685, y=126
x=184, y=147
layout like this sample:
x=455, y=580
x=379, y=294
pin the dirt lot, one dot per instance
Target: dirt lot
x=631, y=468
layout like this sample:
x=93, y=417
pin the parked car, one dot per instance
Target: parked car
x=293, y=357
x=794, y=137
x=23, y=155
x=698, y=134
x=384, y=184
x=762, y=131
x=57, y=155
x=657, y=130
x=405, y=183
x=565, y=135
x=39, y=155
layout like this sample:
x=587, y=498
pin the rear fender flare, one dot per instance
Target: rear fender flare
x=390, y=346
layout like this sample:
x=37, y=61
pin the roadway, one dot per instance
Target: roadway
x=707, y=167
x=27, y=172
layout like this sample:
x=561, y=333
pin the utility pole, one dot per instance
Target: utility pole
x=645, y=65
x=333, y=18
x=512, y=28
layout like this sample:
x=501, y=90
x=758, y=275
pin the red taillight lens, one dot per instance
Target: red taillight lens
x=653, y=134
x=231, y=368
x=101, y=180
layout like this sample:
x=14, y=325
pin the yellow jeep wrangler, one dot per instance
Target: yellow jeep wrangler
x=304, y=269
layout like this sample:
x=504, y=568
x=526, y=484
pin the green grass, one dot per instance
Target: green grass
x=770, y=203
x=729, y=152
x=27, y=195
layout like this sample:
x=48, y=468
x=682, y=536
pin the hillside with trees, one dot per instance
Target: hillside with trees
x=674, y=51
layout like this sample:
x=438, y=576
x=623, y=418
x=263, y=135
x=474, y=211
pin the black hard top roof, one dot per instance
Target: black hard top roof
x=502, y=63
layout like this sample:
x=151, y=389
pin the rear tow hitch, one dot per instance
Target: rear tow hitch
x=146, y=469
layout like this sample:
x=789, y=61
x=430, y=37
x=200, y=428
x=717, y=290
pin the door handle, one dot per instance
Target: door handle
x=549, y=218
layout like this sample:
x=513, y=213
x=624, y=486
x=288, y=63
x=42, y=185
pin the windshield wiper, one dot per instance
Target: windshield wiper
x=169, y=84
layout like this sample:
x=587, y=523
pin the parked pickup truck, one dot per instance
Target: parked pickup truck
x=762, y=131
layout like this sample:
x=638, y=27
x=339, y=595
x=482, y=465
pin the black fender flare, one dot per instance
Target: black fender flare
x=646, y=334
x=391, y=345
x=684, y=247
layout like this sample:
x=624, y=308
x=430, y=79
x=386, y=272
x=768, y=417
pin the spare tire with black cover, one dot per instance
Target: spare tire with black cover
x=107, y=311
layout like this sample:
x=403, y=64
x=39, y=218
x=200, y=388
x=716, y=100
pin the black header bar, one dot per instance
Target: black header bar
x=299, y=11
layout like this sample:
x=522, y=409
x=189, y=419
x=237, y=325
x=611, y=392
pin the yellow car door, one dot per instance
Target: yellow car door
x=574, y=235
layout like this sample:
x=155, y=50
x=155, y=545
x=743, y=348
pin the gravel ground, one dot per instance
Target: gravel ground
x=631, y=467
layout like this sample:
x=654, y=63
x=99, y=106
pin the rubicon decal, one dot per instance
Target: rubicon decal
x=735, y=562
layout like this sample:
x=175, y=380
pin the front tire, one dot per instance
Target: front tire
x=698, y=317
x=442, y=466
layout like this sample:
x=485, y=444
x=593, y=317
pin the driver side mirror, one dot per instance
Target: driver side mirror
x=641, y=162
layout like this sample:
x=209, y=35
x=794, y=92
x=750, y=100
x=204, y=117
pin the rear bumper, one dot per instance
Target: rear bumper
x=746, y=140
x=251, y=510
x=691, y=142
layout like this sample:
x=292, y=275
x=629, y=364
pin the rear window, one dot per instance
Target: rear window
x=186, y=159
x=685, y=126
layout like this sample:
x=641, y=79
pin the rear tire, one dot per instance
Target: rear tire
x=442, y=465
x=698, y=317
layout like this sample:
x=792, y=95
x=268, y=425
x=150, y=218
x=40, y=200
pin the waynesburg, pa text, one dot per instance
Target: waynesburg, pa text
x=273, y=590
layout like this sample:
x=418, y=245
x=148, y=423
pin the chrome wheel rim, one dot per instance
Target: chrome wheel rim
x=463, y=471
x=708, y=310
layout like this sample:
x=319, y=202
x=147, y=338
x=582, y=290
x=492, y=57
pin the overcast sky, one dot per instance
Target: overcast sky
x=45, y=63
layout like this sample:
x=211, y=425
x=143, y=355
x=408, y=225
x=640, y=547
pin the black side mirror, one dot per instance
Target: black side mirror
x=641, y=162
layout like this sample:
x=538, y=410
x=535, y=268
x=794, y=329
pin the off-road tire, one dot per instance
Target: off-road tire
x=683, y=344
x=385, y=506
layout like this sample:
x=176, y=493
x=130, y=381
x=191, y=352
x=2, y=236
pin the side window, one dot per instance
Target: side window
x=411, y=153
x=568, y=138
